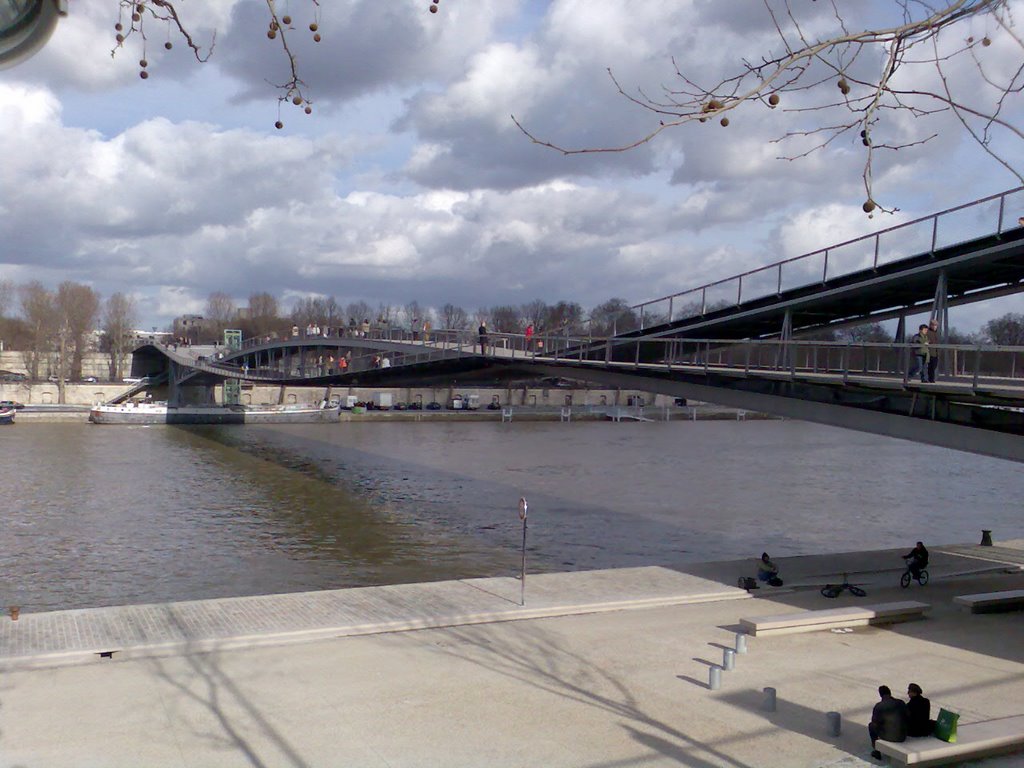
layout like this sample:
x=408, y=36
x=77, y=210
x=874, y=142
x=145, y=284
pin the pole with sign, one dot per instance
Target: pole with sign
x=523, y=507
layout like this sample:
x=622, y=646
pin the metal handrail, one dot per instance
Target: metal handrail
x=778, y=265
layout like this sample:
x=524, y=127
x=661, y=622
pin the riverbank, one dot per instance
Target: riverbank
x=701, y=412
x=611, y=670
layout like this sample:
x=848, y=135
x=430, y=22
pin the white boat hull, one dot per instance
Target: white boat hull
x=161, y=413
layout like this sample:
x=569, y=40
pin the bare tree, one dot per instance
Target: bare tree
x=6, y=296
x=77, y=307
x=220, y=312
x=135, y=18
x=119, y=317
x=566, y=316
x=872, y=333
x=454, y=317
x=612, y=317
x=414, y=314
x=263, y=311
x=1007, y=330
x=534, y=313
x=359, y=311
x=506, y=319
x=37, y=307
x=860, y=83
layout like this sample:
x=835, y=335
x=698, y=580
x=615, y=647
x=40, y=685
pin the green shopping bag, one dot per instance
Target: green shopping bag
x=945, y=725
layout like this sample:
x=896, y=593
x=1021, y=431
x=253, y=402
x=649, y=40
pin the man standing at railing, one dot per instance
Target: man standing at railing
x=920, y=342
x=482, y=333
x=933, y=357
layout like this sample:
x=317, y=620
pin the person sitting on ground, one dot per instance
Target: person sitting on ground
x=919, y=711
x=917, y=559
x=888, y=720
x=767, y=570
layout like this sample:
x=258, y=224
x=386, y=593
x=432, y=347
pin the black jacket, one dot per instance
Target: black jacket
x=919, y=711
x=890, y=719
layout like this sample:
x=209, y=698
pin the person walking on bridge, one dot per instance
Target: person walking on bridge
x=920, y=342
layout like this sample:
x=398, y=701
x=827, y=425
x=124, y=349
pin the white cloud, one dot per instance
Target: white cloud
x=409, y=180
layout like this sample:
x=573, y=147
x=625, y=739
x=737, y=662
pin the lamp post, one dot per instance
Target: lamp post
x=523, y=508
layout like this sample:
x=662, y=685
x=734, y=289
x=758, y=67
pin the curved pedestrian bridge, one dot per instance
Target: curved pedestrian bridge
x=749, y=355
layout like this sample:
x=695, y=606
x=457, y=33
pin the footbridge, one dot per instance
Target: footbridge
x=970, y=253
x=756, y=360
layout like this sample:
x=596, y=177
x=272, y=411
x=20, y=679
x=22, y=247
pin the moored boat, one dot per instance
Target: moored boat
x=162, y=413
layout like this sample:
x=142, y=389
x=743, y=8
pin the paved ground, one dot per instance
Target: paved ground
x=601, y=690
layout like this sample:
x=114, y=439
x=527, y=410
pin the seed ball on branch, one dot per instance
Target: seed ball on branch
x=986, y=42
x=297, y=100
x=143, y=63
x=869, y=206
x=136, y=17
x=724, y=122
x=773, y=99
x=271, y=34
x=119, y=26
x=714, y=104
x=433, y=9
x=119, y=37
x=308, y=110
x=279, y=125
x=313, y=27
x=843, y=86
x=316, y=38
x=286, y=19
x=168, y=45
x=143, y=74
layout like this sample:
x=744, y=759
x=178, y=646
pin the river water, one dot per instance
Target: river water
x=95, y=516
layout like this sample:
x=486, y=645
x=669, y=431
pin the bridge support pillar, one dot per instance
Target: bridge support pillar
x=783, y=358
x=940, y=314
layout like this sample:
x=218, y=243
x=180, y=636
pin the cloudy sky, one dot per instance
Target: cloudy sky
x=409, y=180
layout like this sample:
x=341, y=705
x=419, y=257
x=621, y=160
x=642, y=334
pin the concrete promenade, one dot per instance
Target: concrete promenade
x=600, y=669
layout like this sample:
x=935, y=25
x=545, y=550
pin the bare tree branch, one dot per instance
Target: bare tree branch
x=912, y=48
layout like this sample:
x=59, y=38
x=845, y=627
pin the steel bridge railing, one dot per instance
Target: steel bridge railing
x=974, y=365
x=952, y=226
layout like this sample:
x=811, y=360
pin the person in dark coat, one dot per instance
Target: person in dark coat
x=917, y=558
x=482, y=333
x=919, y=711
x=888, y=720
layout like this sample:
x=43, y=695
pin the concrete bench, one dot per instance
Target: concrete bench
x=973, y=740
x=992, y=602
x=830, y=618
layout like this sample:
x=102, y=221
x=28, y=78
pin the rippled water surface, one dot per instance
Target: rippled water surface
x=112, y=515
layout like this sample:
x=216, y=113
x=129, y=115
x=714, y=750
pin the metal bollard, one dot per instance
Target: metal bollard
x=769, y=700
x=986, y=538
x=714, y=677
x=728, y=659
x=741, y=642
x=835, y=723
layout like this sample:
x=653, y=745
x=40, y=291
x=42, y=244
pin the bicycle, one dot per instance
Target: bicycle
x=922, y=575
x=834, y=590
